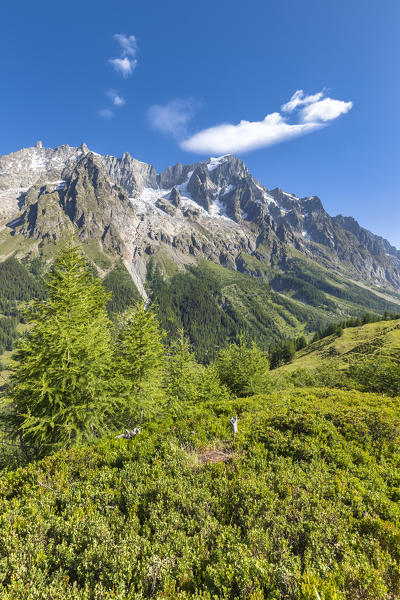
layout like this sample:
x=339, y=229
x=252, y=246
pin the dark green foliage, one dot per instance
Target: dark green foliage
x=337, y=328
x=284, y=352
x=244, y=368
x=307, y=497
x=214, y=312
x=124, y=293
x=300, y=342
x=192, y=300
x=58, y=391
x=16, y=285
x=302, y=290
x=8, y=332
x=336, y=286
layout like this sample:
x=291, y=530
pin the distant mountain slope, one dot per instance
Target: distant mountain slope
x=380, y=340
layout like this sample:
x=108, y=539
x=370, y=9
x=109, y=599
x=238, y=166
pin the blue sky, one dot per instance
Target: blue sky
x=153, y=78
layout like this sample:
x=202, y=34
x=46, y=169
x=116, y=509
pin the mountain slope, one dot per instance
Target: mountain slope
x=209, y=213
x=373, y=340
x=214, y=208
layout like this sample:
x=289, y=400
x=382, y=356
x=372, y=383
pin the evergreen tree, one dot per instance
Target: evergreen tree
x=244, y=369
x=58, y=388
x=181, y=375
x=139, y=360
x=209, y=387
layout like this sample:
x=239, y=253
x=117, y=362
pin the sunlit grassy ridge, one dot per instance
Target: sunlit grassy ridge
x=373, y=340
x=307, y=495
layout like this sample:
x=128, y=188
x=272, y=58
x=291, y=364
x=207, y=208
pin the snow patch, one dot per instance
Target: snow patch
x=37, y=162
x=228, y=189
x=60, y=184
x=290, y=195
x=147, y=200
x=213, y=162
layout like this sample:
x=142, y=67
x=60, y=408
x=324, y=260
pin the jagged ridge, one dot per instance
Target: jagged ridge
x=213, y=209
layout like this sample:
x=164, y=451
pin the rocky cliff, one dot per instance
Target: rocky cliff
x=213, y=209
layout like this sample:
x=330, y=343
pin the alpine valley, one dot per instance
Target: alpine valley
x=218, y=251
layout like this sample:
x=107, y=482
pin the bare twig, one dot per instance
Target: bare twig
x=129, y=434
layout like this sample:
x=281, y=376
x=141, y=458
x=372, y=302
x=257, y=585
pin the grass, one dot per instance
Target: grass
x=380, y=339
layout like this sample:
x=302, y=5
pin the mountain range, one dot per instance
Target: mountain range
x=208, y=213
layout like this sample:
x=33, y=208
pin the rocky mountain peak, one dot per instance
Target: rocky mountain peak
x=208, y=209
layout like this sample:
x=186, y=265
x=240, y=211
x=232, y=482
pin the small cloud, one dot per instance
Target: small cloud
x=128, y=44
x=127, y=62
x=313, y=112
x=116, y=98
x=325, y=110
x=105, y=113
x=172, y=118
x=299, y=99
x=125, y=66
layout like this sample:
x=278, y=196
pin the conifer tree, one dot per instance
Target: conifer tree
x=210, y=388
x=139, y=360
x=58, y=389
x=243, y=369
x=182, y=375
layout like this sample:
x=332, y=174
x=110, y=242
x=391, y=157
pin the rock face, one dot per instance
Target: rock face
x=175, y=198
x=214, y=210
x=130, y=173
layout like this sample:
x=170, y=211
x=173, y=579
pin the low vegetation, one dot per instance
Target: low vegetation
x=306, y=497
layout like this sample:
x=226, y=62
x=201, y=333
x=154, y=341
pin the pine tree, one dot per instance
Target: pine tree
x=182, y=374
x=139, y=360
x=244, y=369
x=58, y=389
x=209, y=386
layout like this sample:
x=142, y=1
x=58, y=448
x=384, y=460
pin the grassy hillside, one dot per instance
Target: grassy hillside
x=306, y=497
x=373, y=340
x=214, y=305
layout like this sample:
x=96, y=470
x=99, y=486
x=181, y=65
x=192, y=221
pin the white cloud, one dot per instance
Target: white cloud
x=116, y=98
x=298, y=99
x=325, y=110
x=273, y=129
x=128, y=44
x=124, y=65
x=127, y=62
x=106, y=113
x=246, y=135
x=173, y=118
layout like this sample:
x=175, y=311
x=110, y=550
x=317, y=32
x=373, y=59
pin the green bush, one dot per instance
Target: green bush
x=377, y=375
